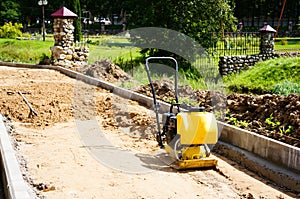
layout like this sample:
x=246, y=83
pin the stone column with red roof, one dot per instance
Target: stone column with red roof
x=266, y=39
x=63, y=52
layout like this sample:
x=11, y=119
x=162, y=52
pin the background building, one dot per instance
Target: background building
x=254, y=13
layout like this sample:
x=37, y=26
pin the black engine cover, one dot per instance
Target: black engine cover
x=170, y=126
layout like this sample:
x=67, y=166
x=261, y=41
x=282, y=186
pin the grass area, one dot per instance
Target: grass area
x=286, y=44
x=160, y=71
x=265, y=76
x=114, y=48
x=24, y=51
x=31, y=51
x=113, y=53
x=291, y=45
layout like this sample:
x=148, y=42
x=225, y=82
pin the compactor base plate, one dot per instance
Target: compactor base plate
x=195, y=164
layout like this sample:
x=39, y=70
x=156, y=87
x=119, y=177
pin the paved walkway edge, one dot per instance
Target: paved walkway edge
x=14, y=185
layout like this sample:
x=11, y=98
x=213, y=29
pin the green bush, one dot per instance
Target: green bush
x=10, y=31
x=286, y=88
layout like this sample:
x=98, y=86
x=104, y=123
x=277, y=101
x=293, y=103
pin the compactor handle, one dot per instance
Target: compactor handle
x=156, y=105
x=175, y=104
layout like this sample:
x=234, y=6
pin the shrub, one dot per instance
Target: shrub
x=286, y=88
x=11, y=31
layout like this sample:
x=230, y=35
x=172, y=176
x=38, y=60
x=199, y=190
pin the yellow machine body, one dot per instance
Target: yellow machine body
x=196, y=129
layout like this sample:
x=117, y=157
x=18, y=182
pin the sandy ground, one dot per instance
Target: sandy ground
x=59, y=163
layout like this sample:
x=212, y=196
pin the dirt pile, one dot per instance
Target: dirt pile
x=133, y=119
x=54, y=100
x=274, y=116
x=165, y=90
x=106, y=70
x=58, y=99
x=51, y=101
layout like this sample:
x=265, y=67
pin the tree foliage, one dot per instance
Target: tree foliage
x=190, y=19
x=10, y=11
x=196, y=19
x=74, y=6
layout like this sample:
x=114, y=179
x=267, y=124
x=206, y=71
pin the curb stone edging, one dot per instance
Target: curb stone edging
x=272, y=150
x=260, y=166
x=14, y=184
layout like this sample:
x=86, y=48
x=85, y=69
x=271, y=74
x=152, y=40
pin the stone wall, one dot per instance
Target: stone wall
x=63, y=52
x=233, y=64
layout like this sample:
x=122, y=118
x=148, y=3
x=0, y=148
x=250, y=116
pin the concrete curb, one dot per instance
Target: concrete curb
x=14, y=184
x=272, y=150
x=279, y=153
x=260, y=166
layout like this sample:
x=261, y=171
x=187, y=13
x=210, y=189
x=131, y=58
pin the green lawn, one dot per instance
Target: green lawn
x=113, y=53
x=266, y=76
x=31, y=51
x=24, y=51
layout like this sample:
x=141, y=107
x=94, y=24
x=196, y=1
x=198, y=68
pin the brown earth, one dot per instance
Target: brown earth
x=106, y=70
x=58, y=165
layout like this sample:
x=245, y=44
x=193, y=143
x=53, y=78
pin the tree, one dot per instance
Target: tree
x=193, y=18
x=74, y=6
x=10, y=11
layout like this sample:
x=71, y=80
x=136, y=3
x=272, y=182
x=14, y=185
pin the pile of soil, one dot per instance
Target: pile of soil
x=57, y=99
x=165, y=90
x=50, y=99
x=274, y=116
x=106, y=70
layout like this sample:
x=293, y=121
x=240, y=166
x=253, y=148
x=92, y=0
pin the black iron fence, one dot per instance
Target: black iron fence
x=234, y=43
x=230, y=44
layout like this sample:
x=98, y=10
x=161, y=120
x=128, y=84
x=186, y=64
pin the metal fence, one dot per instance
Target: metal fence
x=231, y=44
x=234, y=43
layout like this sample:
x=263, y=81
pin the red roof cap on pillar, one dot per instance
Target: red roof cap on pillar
x=267, y=28
x=64, y=13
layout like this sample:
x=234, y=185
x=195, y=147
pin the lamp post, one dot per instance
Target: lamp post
x=241, y=26
x=43, y=3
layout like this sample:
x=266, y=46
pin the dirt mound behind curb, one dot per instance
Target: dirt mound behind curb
x=106, y=70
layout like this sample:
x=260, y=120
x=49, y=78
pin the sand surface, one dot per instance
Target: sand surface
x=62, y=151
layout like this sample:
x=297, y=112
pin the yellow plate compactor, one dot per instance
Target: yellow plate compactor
x=186, y=135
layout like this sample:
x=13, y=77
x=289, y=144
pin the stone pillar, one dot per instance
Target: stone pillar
x=63, y=32
x=266, y=39
x=63, y=52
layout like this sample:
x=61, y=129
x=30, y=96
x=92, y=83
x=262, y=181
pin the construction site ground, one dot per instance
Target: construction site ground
x=56, y=164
